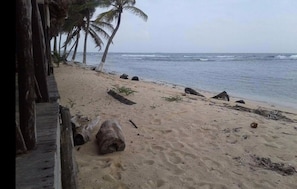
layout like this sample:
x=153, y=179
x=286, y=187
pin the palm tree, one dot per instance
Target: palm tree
x=115, y=14
x=78, y=20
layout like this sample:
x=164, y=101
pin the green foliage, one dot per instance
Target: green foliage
x=175, y=98
x=125, y=90
x=57, y=57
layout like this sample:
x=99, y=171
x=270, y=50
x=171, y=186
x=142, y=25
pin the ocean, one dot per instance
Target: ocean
x=264, y=77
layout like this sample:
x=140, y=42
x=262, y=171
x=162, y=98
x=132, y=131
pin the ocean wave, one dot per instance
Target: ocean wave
x=286, y=57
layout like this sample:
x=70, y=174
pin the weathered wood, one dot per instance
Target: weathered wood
x=120, y=98
x=39, y=53
x=19, y=140
x=41, y=167
x=82, y=128
x=26, y=72
x=110, y=137
x=69, y=170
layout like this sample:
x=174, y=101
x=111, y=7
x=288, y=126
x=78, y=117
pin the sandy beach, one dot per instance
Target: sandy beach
x=191, y=142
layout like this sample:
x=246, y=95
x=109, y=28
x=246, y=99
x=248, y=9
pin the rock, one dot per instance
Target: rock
x=222, y=96
x=124, y=76
x=192, y=91
x=135, y=78
x=240, y=101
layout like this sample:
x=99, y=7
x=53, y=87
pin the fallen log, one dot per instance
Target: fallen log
x=110, y=137
x=82, y=128
x=120, y=98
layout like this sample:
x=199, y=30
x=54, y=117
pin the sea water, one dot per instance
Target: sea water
x=262, y=77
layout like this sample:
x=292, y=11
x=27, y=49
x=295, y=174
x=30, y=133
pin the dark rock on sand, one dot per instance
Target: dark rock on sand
x=240, y=101
x=222, y=96
x=192, y=91
x=135, y=78
x=124, y=76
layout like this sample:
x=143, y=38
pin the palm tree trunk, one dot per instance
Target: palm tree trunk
x=100, y=66
x=85, y=42
x=75, y=48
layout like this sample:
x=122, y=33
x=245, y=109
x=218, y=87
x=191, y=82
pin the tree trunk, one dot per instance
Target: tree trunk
x=82, y=129
x=100, y=66
x=75, y=48
x=26, y=75
x=85, y=42
x=110, y=137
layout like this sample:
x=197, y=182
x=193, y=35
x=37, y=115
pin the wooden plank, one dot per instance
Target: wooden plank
x=40, y=167
x=53, y=88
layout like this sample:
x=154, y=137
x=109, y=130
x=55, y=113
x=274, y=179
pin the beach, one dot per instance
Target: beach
x=190, y=142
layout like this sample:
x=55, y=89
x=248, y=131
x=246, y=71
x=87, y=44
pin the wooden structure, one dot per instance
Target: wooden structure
x=37, y=123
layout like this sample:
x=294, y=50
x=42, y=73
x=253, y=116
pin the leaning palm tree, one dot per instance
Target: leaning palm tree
x=115, y=14
x=79, y=20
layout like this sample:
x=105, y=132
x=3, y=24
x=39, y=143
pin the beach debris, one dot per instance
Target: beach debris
x=120, y=98
x=240, y=101
x=189, y=90
x=280, y=168
x=82, y=128
x=254, y=125
x=133, y=123
x=110, y=137
x=222, y=96
x=269, y=114
x=135, y=78
x=124, y=76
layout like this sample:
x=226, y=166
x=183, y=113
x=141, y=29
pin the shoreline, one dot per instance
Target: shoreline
x=190, y=143
x=207, y=94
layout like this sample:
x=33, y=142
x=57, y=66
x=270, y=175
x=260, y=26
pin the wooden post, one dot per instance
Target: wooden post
x=68, y=166
x=39, y=53
x=26, y=72
x=20, y=145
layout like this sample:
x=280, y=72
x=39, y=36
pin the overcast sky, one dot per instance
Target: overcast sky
x=208, y=26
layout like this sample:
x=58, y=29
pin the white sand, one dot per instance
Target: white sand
x=197, y=142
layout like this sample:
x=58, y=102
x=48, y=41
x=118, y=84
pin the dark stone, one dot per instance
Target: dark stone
x=240, y=101
x=135, y=78
x=222, y=96
x=124, y=76
x=192, y=91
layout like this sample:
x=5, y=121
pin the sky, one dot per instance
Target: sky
x=207, y=26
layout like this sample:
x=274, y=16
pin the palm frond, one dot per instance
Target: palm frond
x=97, y=40
x=108, y=16
x=136, y=11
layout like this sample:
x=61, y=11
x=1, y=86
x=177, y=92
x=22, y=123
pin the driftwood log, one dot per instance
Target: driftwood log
x=110, y=137
x=120, y=98
x=82, y=128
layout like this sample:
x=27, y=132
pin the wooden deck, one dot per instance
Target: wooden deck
x=41, y=167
